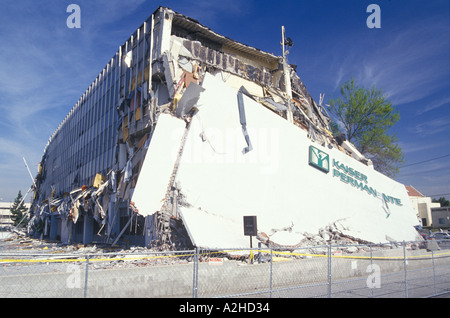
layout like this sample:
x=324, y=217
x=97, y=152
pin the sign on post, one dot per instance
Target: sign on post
x=250, y=226
x=250, y=229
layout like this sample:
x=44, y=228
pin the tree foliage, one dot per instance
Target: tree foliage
x=18, y=211
x=365, y=117
x=443, y=201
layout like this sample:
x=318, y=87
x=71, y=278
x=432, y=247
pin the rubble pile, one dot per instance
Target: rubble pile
x=105, y=256
x=329, y=235
x=101, y=256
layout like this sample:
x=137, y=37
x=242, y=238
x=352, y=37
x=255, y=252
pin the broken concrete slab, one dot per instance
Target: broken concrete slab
x=153, y=180
x=189, y=99
x=222, y=185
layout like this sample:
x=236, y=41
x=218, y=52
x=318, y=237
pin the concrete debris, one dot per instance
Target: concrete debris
x=330, y=234
x=432, y=245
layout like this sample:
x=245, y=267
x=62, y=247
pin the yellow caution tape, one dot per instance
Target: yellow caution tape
x=85, y=259
x=62, y=260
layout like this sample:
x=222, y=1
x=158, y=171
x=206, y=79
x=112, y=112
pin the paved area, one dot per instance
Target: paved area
x=127, y=275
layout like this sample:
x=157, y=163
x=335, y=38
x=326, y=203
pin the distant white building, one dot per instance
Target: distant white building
x=422, y=205
x=5, y=213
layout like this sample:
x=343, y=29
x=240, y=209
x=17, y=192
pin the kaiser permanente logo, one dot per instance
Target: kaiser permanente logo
x=321, y=160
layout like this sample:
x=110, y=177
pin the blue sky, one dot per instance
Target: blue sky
x=45, y=67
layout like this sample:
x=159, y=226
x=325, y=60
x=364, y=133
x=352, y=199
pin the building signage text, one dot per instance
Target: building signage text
x=347, y=174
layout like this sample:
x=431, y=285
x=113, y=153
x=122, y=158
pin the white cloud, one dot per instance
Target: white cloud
x=434, y=105
x=408, y=64
x=426, y=169
x=408, y=148
x=432, y=127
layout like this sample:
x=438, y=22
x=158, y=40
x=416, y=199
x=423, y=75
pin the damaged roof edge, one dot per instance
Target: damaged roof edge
x=195, y=26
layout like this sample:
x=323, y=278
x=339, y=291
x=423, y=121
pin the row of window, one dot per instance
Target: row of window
x=84, y=143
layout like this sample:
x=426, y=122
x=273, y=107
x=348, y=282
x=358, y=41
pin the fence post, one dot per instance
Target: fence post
x=329, y=270
x=271, y=271
x=404, y=266
x=259, y=253
x=86, y=276
x=434, y=271
x=371, y=263
x=195, y=274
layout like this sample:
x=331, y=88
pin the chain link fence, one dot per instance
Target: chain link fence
x=413, y=269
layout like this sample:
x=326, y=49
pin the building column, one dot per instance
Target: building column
x=113, y=217
x=88, y=229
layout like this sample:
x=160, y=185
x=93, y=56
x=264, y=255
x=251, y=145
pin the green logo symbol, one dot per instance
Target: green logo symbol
x=319, y=159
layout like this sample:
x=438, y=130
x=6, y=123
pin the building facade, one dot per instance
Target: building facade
x=422, y=205
x=5, y=213
x=113, y=169
x=440, y=217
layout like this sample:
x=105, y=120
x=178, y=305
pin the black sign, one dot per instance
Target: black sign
x=250, y=227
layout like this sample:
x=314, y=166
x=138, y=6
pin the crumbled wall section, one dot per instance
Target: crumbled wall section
x=257, y=71
x=228, y=63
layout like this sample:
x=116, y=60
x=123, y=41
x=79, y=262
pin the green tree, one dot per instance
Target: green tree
x=365, y=117
x=443, y=201
x=18, y=211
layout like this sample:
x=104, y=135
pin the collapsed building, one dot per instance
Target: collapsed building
x=185, y=132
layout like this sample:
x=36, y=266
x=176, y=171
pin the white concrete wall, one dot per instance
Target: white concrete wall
x=158, y=165
x=274, y=181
